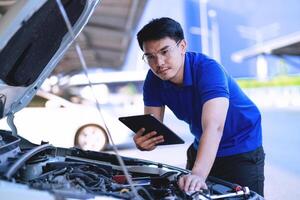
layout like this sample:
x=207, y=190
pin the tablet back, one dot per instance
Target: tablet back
x=150, y=123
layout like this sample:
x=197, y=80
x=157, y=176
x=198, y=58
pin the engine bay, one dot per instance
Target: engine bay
x=77, y=174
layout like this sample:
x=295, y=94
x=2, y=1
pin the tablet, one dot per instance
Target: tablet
x=150, y=123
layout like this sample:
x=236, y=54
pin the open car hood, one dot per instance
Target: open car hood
x=33, y=39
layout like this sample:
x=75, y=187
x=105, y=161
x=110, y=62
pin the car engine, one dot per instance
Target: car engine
x=77, y=174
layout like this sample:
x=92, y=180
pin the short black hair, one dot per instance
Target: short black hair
x=160, y=28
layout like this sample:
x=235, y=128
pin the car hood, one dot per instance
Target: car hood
x=33, y=39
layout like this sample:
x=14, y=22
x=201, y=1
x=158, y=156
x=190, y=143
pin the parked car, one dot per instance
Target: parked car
x=67, y=124
x=33, y=38
x=115, y=89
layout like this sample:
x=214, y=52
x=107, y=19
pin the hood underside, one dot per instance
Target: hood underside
x=33, y=38
x=106, y=39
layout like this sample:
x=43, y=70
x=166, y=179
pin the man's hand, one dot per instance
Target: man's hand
x=148, y=141
x=192, y=183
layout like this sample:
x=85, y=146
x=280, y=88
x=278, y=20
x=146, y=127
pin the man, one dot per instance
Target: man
x=225, y=122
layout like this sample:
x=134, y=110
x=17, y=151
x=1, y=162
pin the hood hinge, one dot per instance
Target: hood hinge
x=11, y=124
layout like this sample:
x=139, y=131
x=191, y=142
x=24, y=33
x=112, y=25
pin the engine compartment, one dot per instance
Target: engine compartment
x=78, y=174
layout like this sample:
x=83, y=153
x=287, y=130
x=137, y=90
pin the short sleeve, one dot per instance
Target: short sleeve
x=213, y=82
x=152, y=90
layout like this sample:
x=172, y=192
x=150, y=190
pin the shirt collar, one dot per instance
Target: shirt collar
x=187, y=75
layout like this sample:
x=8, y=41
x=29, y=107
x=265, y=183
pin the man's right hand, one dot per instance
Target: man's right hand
x=148, y=141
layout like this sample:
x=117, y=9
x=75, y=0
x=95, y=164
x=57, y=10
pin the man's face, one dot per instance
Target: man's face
x=165, y=58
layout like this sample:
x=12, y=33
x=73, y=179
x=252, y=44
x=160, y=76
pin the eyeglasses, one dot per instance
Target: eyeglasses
x=165, y=53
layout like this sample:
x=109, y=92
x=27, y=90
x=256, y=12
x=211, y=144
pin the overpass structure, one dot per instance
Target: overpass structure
x=281, y=46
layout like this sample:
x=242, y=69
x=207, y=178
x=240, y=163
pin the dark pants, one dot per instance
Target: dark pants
x=246, y=169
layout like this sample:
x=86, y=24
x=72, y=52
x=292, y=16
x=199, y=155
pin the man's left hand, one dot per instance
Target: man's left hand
x=192, y=183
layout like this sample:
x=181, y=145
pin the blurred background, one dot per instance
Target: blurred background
x=258, y=42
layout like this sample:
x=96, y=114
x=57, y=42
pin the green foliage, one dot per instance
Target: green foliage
x=279, y=81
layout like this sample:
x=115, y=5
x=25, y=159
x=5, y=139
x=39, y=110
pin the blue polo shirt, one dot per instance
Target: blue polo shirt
x=205, y=79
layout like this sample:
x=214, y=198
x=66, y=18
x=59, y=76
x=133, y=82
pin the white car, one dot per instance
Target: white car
x=53, y=119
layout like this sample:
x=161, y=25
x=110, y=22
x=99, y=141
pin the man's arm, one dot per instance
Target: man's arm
x=149, y=141
x=213, y=119
x=157, y=112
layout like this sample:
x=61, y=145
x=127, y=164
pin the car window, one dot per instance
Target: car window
x=111, y=94
x=38, y=101
x=124, y=93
